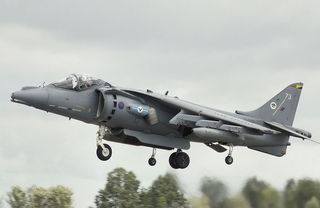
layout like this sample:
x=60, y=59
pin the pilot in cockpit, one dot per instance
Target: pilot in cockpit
x=79, y=82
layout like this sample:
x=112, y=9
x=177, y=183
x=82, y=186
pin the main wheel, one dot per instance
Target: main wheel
x=104, y=155
x=229, y=160
x=152, y=161
x=182, y=160
x=172, y=160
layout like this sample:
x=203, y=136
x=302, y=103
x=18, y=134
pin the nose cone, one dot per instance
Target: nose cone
x=37, y=97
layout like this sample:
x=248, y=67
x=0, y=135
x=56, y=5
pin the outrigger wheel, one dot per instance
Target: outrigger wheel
x=229, y=158
x=152, y=160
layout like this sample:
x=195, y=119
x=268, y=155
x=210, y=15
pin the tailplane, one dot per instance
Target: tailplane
x=281, y=108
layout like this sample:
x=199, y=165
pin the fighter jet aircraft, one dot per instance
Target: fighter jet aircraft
x=161, y=121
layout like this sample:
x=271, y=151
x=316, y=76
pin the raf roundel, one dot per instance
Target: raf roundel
x=121, y=105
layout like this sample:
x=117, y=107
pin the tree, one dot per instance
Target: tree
x=252, y=191
x=17, y=198
x=305, y=190
x=38, y=197
x=200, y=202
x=1, y=203
x=215, y=190
x=312, y=203
x=270, y=198
x=145, y=199
x=238, y=201
x=165, y=192
x=59, y=196
x=260, y=194
x=121, y=190
x=289, y=194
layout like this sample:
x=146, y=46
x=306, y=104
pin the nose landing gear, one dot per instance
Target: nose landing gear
x=179, y=159
x=104, y=151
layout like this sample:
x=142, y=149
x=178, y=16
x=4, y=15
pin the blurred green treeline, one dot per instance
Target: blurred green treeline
x=122, y=190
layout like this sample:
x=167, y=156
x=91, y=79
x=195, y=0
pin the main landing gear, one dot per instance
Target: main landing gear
x=104, y=151
x=179, y=159
x=229, y=158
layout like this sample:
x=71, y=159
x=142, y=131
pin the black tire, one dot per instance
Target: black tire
x=101, y=155
x=182, y=160
x=229, y=160
x=152, y=161
x=172, y=160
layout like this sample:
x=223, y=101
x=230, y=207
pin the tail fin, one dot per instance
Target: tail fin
x=281, y=108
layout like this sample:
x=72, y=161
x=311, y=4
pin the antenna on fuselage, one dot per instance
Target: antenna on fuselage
x=167, y=92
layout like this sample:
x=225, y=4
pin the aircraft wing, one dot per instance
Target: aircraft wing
x=202, y=111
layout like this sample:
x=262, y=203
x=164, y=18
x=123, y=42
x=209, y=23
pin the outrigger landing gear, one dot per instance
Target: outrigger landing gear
x=152, y=160
x=229, y=158
x=104, y=151
x=179, y=159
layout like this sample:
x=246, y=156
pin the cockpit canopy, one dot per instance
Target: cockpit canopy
x=79, y=82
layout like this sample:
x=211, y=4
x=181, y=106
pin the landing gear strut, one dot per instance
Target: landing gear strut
x=229, y=158
x=152, y=160
x=179, y=159
x=104, y=151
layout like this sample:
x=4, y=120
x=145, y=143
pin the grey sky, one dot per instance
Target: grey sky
x=223, y=54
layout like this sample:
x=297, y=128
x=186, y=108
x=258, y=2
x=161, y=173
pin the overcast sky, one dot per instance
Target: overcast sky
x=223, y=54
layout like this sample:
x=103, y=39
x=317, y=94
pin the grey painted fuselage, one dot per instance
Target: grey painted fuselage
x=146, y=118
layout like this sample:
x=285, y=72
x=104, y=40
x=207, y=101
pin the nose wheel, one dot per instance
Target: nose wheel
x=179, y=160
x=152, y=160
x=104, y=151
x=229, y=158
